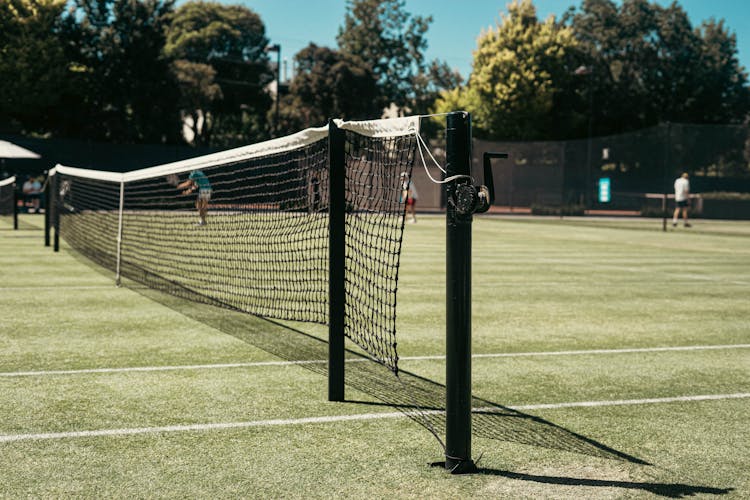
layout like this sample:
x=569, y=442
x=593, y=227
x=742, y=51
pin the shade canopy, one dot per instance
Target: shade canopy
x=9, y=150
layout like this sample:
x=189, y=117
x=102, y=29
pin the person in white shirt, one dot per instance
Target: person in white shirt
x=682, y=199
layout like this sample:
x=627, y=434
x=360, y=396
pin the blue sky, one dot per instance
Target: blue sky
x=456, y=23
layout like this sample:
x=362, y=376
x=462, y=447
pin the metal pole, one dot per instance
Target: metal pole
x=458, y=303
x=589, y=185
x=511, y=188
x=665, y=160
x=47, y=209
x=278, y=88
x=336, y=261
x=15, y=204
x=276, y=48
x=56, y=216
x=119, y=233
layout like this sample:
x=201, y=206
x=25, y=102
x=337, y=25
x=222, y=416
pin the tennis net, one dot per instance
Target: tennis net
x=248, y=228
x=7, y=196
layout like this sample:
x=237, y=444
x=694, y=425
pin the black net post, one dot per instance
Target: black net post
x=47, y=210
x=666, y=169
x=55, y=216
x=336, y=260
x=458, y=307
x=15, y=205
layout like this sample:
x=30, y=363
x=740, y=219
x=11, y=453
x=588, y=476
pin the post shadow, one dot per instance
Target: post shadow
x=668, y=490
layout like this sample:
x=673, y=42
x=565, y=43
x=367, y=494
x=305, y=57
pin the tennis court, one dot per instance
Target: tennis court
x=619, y=354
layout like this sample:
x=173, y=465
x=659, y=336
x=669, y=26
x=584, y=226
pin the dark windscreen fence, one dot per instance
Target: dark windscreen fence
x=7, y=196
x=532, y=175
x=248, y=229
x=637, y=163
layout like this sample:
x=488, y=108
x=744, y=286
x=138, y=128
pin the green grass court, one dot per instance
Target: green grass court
x=601, y=332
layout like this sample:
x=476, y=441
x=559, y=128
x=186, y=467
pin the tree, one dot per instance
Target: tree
x=122, y=89
x=428, y=85
x=33, y=65
x=329, y=84
x=723, y=95
x=650, y=65
x=521, y=70
x=392, y=43
x=231, y=40
x=609, y=43
x=198, y=93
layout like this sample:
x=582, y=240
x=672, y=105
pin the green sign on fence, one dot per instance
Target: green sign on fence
x=604, y=190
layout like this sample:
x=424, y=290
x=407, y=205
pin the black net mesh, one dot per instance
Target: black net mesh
x=7, y=200
x=262, y=245
x=88, y=210
x=374, y=230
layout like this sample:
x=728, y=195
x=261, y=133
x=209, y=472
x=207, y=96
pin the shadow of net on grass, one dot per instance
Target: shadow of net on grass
x=419, y=398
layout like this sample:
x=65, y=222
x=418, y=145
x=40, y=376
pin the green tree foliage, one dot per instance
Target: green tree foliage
x=521, y=70
x=33, y=66
x=649, y=65
x=230, y=39
x=724, y=95
x=198, y=93
x=428, y=85
x=392, y=42
x=128, y=89
x=121, y=85
x=329, y=84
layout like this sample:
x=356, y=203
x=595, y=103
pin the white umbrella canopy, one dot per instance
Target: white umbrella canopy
x=8, y=150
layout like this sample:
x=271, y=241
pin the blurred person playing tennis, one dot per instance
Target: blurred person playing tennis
x=682, y=199
x=198, y=181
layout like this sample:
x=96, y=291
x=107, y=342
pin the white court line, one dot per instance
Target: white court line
x=9, y=438
x=62, y=287
x=596, y=351
x=159, y=368
x=358, y=360
x=624, y=402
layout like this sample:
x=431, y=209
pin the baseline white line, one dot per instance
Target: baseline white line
x=158, y=368
x=359, y=360
x=196, y=427
x=596, y=351
x=624, y=402
x=9, y=438
x=61, y=287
